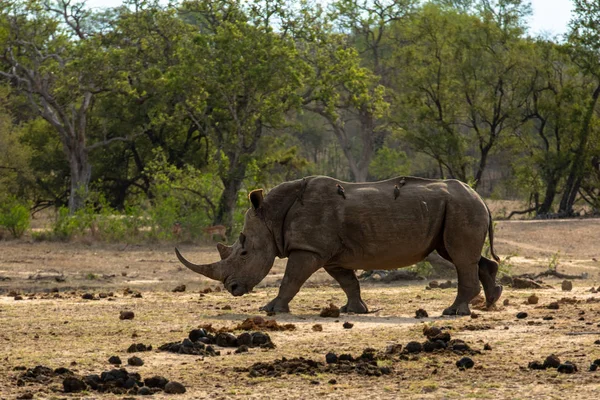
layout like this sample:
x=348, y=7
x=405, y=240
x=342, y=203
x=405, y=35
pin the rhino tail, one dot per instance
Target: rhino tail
x=491, y=235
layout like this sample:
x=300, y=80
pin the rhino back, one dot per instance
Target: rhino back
x=369, y=228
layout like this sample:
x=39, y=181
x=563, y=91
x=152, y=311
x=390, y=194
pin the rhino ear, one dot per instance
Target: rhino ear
x=256, y=197
x=224, y=251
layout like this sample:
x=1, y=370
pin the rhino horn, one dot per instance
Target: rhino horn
x=212, y=271
x=224, y=250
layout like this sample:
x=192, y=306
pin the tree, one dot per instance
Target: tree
x=584, y=41
x=49, y=55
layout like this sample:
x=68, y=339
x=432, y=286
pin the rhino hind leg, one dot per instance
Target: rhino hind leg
x=347, y=280
x=468, y=288
x=300, y=266
x=487, y=275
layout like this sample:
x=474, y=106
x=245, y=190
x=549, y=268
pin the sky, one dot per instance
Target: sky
x=550, y=17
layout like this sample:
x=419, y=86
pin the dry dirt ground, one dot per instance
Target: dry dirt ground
x=61, y=329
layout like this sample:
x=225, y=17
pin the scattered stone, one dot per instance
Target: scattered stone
x=413, y=347
x=522, y=315
x=317, y=328
x=445, y=285
x=420, y=313
x=548, y=318
x=434, y=284
x=348, y=325
x=567, y=368
x=487, y=347
x=73, y=385
x=553, y=306
x=242, y=349
x=331, y=358
x=156, y=381
x=179, y=289
x=115, y=360
x=551, y=361
x=196, y=334
x=135, y=361
x=138, y=347
x=174, y=388
x=126, y=315
x=18, y=297
x=474, y=315
x=332, y=381
x=465, y=363
x=394, y=348
x=536, y=365
x=506, y=302
x=533, y=299
x=566, y=285
x=87, y=296
x=144, y=391
x=226, y=307
x=593, y=367
x=332, y=311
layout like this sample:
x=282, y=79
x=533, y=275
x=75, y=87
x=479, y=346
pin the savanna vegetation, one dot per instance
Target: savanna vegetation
x=154, y=120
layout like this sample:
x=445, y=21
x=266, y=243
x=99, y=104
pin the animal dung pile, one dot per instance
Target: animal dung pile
x=260, y=323
x=332, y=311
x=365, y=364
x=553, y=362
x=199, y=342
x=116, y=381
x=139, y=347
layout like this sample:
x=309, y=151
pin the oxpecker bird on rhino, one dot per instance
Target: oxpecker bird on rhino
x=320, y=222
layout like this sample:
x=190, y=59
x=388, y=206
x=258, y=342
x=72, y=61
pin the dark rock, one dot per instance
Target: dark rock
x=242, y=349
x=115, y=360
x=260, y=339
x=348, y=325
x=331, y=358
x=420, y=313
x=138, y=347
x=393, y=348
x=226, y=339
x=179, y=288
x=553, y=306
x=522, y=315
x=245, y=339
x=174, y=388
x=446, y=285
x=135, y=361
x=567, y=368
x=332, y=381
x=487, y=347
x=187, y=343
x=126, y=315
x=548, y=318
x=458, y=345
x=345, y=357
x=434, y=284
x=226, y=307
x=566, y=285
x=73, y=385
x=62, y=371
x=156, y=382
x=533, y=299
x=196, y=334
x=317, y=328
x=87, y=296
x=465, y=363
x=593, y=367
x=551, y=361
x=413, y=347
x=536, y=365
x=429, y=346
x=145, y=391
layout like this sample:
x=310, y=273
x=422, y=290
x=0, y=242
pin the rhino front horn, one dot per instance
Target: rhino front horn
x=212, y=271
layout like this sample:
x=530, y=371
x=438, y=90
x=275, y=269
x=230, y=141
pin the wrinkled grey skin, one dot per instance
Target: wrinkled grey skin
x=373, y=227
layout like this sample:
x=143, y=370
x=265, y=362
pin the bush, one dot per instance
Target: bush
x=15, y=217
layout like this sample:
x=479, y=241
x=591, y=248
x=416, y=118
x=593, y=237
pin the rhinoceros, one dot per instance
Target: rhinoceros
x=321, y=222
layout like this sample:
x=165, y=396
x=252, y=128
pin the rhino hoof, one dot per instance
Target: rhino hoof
x=460, y=310
x=497, y=294
x=360, y=308
x=273, y=306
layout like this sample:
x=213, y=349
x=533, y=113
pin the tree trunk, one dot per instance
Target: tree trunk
x=577, y=166
x=232, y=185
x=549, y=195
x=81, y=173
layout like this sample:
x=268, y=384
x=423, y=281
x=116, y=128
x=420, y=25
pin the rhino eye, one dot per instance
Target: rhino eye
x=244, y=252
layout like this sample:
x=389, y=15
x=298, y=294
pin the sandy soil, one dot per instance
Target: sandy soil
x=68, y=331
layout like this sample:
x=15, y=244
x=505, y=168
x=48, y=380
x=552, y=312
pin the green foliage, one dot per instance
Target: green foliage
x=14, y=216
x=554, y=261
x=422, y=268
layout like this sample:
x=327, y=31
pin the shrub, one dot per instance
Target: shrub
x=15, y=217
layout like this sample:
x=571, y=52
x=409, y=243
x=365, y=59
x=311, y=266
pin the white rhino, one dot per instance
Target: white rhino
x=320, y=222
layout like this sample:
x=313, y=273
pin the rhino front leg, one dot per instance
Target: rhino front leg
x=300, y=266
x=468, y=288
x=349, y=284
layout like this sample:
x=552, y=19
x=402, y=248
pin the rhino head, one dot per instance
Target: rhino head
x=245, y=263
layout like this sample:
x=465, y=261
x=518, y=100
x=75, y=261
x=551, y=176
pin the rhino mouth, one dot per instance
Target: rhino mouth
x=235, y=288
